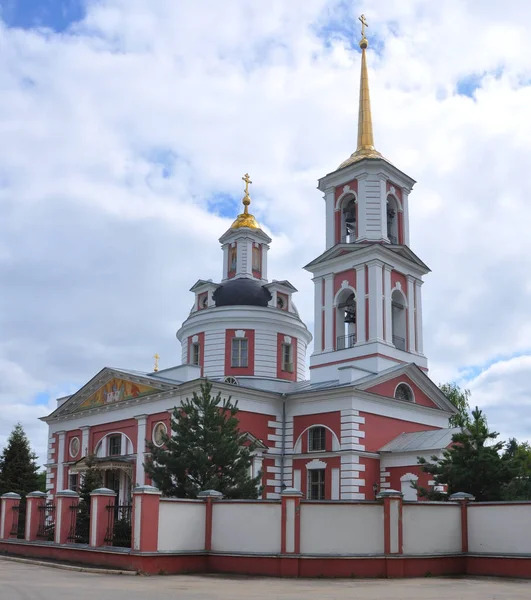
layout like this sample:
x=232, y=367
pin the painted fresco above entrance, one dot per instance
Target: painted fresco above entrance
x=117, y=390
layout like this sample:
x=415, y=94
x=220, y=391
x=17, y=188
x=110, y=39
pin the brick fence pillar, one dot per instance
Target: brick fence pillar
x=34, y=502
x=392, y=501
x=101, y=502
x=463, y=500
x=63, y=514
x=145, y=518
x=8, y=501
x=209, y=496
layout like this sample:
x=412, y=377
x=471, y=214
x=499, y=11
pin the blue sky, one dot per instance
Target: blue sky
x=53, y=14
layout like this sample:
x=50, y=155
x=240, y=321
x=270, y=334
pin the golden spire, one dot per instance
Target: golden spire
x=365, y=147
x=156, y=357
x=245, y=219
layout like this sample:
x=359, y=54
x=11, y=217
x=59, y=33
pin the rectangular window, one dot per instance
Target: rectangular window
x=73, y=482
x=316, y=484
x=317, y=439
x=195, y=354
x=239, y=353
x=257, y=259
x=233, y=255
x=115, y=445
x=287, y=358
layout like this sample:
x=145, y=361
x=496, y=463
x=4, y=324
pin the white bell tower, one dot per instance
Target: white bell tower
x=368, y=305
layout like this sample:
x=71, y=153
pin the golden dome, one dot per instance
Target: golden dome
x=245, y=219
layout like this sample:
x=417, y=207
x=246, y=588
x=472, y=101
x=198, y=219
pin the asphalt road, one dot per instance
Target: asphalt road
x=29, y=582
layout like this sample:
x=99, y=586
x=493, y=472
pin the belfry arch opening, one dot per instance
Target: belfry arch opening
x=398, y=317
x=392, y=220
x=349, y=226
x=346, y=320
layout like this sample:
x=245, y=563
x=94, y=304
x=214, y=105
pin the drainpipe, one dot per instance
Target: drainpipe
x=283, y=449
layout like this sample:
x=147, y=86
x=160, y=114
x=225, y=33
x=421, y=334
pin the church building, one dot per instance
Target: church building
x=368, y=409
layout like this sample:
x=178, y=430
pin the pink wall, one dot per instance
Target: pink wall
x=330, y=419
x=349, y=276
x=397, y=472
x=98, y=432
x=380, y=430
x=229, y=369
x=371, y=476
x=388, y=389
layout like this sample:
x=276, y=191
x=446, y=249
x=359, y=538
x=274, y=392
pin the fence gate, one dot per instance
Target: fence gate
x=119, y=525
x=79, y=531
x=46, y=526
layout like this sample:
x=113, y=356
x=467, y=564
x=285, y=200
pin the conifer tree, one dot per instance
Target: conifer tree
x=206, y=450
x=472, y=464
x=18, y=466
x=90, y=480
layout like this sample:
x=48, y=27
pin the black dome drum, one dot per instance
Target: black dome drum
x=243, y=291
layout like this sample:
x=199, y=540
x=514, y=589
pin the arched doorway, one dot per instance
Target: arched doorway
x=345, y=320
x=398, y=316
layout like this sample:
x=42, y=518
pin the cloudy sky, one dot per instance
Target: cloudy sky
x=125, y=128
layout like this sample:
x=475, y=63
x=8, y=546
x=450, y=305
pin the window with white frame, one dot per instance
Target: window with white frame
x=115, y=445
x=287, y=357
x=316, y=439
x=403, y=392
x=195, y=353
x=239, y=355
x=316, y=484
x=73, y=481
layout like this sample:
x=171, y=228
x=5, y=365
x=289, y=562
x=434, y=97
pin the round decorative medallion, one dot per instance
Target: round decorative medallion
x=74, y=447
x=159, y=430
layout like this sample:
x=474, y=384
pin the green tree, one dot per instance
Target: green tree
x=461, y=400
x=518, y=457
x=472, y=464
x=91, y=479
x=18, y=466
x=41, y=481
x=205, y=450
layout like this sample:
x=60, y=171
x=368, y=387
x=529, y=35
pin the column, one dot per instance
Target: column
x=9, y=515
x=145, y=520
x=463, y=499
x=329, y=198
x=392, y=501
x=375, y=301
x=265, y=248
x=59, y=482
x=225, y=261
x=362, y=207
x=411, y=338
x=361, y=296
x=405, y=215
x=329, y=342
x=209, y=496
x=35, y=503
x=418, y=315
x=100, y=499
x=63, y=514
x=318, y=315
x=388, y=305
x=383, y=207
x=140, y=449
x=248, y=257
x=85, y=431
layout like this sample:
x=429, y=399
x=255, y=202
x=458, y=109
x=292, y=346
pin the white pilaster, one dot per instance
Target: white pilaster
x=265, y=248
x=388, y=334
x=383, y=196
x=361, y=333
x=85, y=440
x=330, y=217
x=412, y=346
x=318, y=315
x=249, y=252
x=329, y=313
x=362, y=207
x=226, y=261
x=405, y=215
x=418, y=314
x=60, y=460
x=140, y=448
x=375, y=301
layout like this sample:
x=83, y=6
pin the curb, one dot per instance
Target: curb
x=53, y=565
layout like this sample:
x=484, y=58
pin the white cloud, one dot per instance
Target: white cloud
x=95, y=242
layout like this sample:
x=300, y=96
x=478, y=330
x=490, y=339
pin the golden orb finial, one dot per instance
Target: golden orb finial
x=364, y=42
x=246, y=219
x=156, y=368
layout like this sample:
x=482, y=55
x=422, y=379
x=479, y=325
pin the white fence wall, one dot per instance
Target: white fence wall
x=431, y=528
x=342, y=528
x=246, y=527
x=181, y=525
x=499, y=528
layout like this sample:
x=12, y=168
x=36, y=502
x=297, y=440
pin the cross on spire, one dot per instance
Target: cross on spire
x=247, y=200
x=363, y=25
x=156, y=357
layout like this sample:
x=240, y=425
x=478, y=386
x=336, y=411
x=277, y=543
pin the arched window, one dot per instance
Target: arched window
x=398, y=316
x=404, y=392
x=392, y=220
x=348, y=221
x=346, y=320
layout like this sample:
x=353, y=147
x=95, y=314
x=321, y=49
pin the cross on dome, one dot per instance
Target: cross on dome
x=245, y=219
